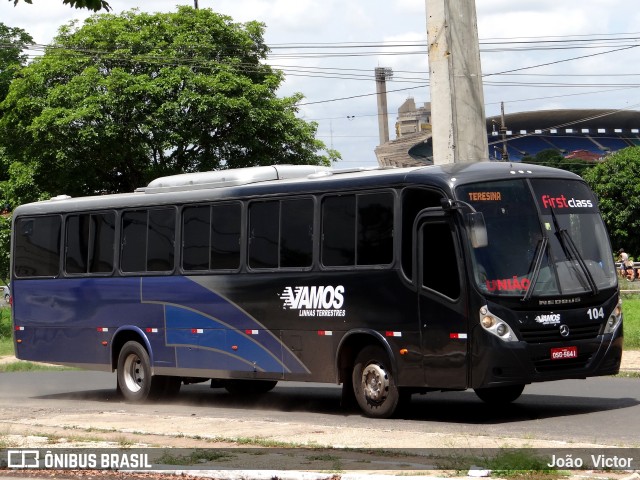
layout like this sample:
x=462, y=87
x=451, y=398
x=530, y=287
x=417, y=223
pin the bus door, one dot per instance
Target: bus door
x=441, y=301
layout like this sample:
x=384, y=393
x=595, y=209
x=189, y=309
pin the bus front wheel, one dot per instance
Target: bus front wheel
x=135, y=381
x=499, y=395
x=373, y=383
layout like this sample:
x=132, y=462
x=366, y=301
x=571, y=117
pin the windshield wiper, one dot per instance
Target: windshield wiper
x=571, y=251
x=537, y=264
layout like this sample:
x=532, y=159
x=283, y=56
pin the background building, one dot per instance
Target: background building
x=587, y=134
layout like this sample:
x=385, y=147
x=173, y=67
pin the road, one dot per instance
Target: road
x=597, y=411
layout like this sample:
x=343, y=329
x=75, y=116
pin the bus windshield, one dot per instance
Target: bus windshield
x=545, y=238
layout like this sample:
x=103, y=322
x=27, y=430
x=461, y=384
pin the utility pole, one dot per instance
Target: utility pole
x=195, y=4
x=455, y=79
x=382, y=75
x=503, y=131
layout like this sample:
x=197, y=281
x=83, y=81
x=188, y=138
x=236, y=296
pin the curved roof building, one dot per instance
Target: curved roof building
x=588, y=134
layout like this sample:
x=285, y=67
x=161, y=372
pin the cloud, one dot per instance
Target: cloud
x=351, y=125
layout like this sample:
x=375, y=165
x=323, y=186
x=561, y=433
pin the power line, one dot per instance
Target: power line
x=354, y=74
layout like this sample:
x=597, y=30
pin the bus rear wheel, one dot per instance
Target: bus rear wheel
x=373, y=383
x=135, y=381
x=499, y=395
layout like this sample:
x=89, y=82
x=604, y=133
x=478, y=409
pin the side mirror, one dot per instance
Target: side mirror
x=477, y=229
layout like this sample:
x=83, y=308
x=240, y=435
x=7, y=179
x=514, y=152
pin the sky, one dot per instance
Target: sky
x=535, y=55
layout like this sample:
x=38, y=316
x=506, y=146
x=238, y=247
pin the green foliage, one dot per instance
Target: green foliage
x=5, y=322
x=615, y=183
x=521, y=464
x=94, y=5
x=12, y=41
x=5, y=248
x=6, y=332
x=127, y=98
x=553, y=158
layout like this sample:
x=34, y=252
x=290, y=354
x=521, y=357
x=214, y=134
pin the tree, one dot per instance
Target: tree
x=94, y=5
x=553, y=158
x=130, y=97
x=616, y=185
x=13, y=41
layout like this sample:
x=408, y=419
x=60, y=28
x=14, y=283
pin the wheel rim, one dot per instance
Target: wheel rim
x=375, y=382
x=133, y=373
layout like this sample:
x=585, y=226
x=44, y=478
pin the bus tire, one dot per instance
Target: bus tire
x=499, y=395
x=373, y=383
x=249, y=387
x=134, y=374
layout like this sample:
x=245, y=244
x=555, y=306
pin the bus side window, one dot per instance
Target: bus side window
x=339, y=231
x=103, y=229
x=161, y=234
x=211, y=237
x=226, y=220
x=296, y=233
x=90, y=241
x=148, y=240
x=263, y=234
x=375, y=229
x=134, y=241
x=195, y=237
x=281, y=233
x=357, y=229
x=414, y=200
x=77, y=234
x=439, y=260
x=37, y=246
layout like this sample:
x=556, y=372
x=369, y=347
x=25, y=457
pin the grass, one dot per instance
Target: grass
x=30, y=367
x=195, y=457
x=631, y=311
x=522, y=464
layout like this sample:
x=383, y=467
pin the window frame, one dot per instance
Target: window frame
x=121, y=237
x=241, y=237
x=60, y=248
x=280, y=200
x=116, y=239
x=393, y=192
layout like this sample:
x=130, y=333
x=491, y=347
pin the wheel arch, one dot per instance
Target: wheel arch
x=354, y=341
x=127, y=334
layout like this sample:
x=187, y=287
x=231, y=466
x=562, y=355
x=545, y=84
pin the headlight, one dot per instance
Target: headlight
x=496, y=326
x=615, y=319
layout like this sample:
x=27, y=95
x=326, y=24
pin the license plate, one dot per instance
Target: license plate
x=564, y=353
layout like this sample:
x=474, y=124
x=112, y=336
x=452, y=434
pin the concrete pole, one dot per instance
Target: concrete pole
x=382, y=74
x=455, y=79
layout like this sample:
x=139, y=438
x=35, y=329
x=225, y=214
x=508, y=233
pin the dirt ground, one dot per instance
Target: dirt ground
x=107, y=431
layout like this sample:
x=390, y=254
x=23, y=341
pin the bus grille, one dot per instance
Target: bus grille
x=546, y=334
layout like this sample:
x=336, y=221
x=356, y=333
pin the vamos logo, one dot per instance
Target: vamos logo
x=548, y=319
x=323, y=301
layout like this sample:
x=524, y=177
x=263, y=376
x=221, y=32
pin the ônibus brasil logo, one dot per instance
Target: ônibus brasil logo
x=315, y=301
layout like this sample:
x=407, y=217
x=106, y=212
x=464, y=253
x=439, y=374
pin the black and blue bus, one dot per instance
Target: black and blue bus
x=390, y=282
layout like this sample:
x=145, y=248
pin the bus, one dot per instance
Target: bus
x=389, y=281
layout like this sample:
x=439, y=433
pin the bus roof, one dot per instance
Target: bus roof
x=297, y=179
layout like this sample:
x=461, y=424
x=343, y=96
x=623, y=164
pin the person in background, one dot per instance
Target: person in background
x=626, y=265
